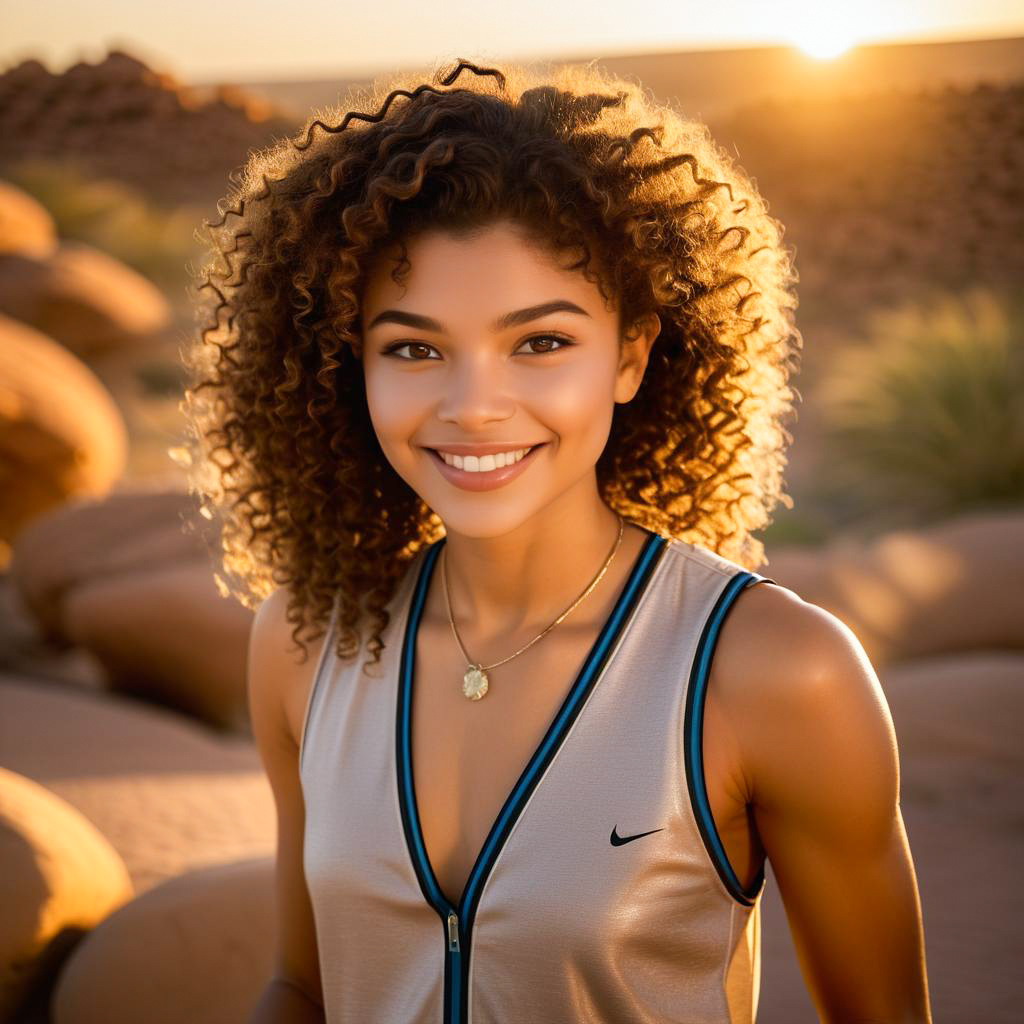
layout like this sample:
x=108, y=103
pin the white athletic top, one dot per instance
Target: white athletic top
x=602, y=892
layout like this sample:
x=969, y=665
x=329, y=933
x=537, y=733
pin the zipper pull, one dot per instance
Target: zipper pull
x=453, y=930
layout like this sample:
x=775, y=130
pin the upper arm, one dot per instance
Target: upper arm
x=822, y=764
x=273, y=668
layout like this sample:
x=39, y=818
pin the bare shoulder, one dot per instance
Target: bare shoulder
x=800, y=694
x=772, y=631
x=279, y=676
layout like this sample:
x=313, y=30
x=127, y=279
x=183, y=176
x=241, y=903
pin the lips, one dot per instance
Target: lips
x=487, y=480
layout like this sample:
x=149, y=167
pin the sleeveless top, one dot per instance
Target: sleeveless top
x=602, y=892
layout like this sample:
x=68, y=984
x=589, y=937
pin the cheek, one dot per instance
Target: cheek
x=393, y=403
x=579, y=407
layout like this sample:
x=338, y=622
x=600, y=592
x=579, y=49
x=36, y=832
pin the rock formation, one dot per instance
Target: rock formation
x=61, y=435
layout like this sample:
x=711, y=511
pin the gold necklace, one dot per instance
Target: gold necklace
x=475, y=682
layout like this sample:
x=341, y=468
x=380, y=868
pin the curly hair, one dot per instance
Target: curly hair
x=283, y=452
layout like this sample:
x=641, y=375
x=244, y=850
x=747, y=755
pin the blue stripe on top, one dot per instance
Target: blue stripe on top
x=410, y=815
x=693, y=734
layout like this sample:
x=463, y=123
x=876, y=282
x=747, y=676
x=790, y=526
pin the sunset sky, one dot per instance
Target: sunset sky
x=262, y=40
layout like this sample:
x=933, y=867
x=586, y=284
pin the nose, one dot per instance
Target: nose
x=476, y=392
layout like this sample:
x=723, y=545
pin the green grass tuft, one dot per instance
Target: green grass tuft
x=925, y=418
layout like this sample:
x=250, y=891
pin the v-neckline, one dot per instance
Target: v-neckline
x=588, y=675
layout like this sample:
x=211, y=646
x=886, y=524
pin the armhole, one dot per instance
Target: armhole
x=693, y=734
x=314, y=686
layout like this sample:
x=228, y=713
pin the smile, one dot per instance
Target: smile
x=483, y=463
x=482, y=472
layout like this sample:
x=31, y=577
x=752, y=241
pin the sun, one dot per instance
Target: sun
x=824, y=45
x=823, y=32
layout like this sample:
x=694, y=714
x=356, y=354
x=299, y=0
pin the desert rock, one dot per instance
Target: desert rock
x=25, y=225
x=198, y=947
x=168, y=793
x=82, y=297
x=60, y=878
x=943, y=589
x=61, y=434
x=124, y=579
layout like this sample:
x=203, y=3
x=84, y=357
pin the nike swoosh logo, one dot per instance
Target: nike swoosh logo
x=618, y=840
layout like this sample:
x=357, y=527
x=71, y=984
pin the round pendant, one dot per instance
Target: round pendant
x=474, y=682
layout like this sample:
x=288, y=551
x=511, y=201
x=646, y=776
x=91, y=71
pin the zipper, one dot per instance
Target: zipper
x=454, y=981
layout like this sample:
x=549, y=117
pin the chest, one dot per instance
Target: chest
x=468, y=756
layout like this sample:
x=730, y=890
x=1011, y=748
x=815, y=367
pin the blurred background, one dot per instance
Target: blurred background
x=136, y=827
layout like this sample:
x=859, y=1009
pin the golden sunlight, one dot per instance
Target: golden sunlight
x=824, y=45
x=823, y=33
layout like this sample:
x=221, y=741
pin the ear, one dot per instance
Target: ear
x=635, y=351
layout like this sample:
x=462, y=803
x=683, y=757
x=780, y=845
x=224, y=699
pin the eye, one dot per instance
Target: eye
x=392, y=349
x=563, y=342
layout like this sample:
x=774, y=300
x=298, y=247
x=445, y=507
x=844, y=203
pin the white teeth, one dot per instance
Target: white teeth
x=483, y=463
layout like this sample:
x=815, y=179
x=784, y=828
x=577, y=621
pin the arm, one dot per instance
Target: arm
x=821, y=760
x=293, y=994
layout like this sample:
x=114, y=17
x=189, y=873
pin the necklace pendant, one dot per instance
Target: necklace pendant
x=474, y=682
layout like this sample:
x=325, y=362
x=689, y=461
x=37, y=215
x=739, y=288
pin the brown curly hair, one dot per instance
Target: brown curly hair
x=284, y=455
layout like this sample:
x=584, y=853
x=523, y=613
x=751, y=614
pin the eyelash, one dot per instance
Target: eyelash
x=565, y=343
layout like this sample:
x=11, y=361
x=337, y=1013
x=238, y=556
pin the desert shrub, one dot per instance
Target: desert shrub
x=924, y=418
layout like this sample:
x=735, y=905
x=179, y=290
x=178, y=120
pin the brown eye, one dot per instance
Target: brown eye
x=392, y=349
x=562, y=342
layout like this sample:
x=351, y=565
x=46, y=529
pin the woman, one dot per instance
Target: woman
x=499, y=394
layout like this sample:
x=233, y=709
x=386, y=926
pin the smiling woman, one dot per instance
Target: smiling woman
x=628, y=196
x=534, y=333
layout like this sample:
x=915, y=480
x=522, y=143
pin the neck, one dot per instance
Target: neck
x=524, y=579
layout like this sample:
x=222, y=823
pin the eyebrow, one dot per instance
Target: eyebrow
x=513, y=319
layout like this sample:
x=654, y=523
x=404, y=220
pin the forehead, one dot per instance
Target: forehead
x=489, y=270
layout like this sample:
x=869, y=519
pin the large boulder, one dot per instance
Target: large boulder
x=168, y=635
x=25, y=225
x=87, y=300
x=60, y=877
x=957, y=720
x=123, y=532
x=946, y=588
x=196, y=948
x=168, y=793
x=129, y=580
x=61, y=435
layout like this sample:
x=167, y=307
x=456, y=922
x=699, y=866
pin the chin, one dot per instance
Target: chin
x=482, y=523
x=479, y=523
